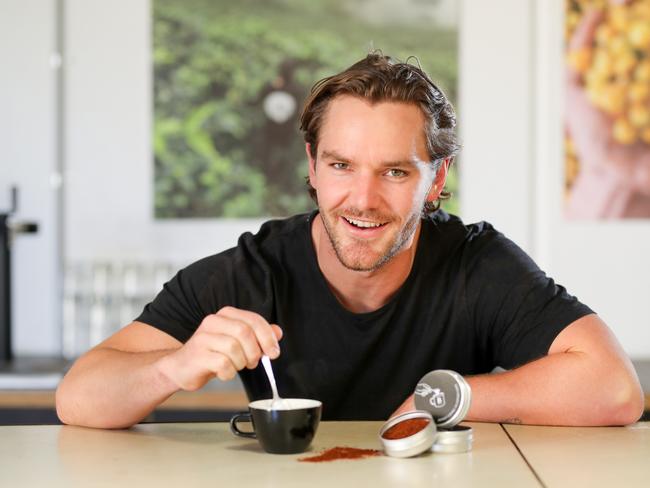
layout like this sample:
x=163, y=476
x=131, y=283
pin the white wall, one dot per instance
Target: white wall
x=109, y=166
x=511, y=112
x=495, y=103
x=606, y=263
x=28, y=158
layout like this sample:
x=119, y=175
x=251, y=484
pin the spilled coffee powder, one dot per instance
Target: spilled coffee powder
x=341, y=452
x=405, y=428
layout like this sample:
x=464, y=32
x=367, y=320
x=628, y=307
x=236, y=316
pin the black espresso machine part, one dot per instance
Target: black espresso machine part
x=8, y=231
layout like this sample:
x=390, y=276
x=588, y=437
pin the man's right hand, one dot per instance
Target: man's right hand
x=120, y=381
x=225, y=343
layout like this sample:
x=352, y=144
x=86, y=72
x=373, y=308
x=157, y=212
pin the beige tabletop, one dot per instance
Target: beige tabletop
x=206, y=454
x=586, y=456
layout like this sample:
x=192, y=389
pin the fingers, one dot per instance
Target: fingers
x=583, y=36
x=230, y=347
x=224, y=343
x=222, y=367
x=244, y=335
x=264, y=334
x=277, y=331
x=642, y=179
x=236, y=338
x=580, y=46
x=583, y=119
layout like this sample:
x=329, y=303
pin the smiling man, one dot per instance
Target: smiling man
x=371, y=182
x=360, y=298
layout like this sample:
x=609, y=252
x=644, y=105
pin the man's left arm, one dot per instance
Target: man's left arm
x=586, y=379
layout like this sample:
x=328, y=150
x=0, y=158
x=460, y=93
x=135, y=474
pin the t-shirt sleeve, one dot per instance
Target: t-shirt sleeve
x=517, y=310
x=184, y=301
x=238, y=277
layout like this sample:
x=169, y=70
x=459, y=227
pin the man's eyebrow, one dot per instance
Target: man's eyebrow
x=398, y=164
x=333, y=155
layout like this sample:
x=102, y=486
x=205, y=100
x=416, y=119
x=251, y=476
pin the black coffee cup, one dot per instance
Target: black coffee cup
x=285, y=430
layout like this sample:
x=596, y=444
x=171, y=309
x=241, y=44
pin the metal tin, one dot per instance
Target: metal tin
x=414, y=444
x=446, y=395
x=454, y=440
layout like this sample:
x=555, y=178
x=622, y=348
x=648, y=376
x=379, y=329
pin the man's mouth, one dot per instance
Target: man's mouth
x=364, y=224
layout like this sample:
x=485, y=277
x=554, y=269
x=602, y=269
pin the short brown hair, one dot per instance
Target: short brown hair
x=379, y=78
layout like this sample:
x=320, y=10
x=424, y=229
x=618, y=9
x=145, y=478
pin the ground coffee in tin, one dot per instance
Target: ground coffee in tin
x=406, y=428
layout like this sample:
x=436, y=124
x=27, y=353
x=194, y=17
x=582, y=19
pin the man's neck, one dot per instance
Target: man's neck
x=361, y=291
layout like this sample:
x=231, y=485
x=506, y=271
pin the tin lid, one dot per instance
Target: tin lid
x=420, y=441
x=445, y=394
x=456, y=439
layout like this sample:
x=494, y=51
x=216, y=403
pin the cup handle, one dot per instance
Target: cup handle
x=246, y=416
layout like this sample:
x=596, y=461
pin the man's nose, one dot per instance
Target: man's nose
x=366, y=192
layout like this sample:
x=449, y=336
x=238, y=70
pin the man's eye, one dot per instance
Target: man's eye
x=339, y=165
x=396, y=173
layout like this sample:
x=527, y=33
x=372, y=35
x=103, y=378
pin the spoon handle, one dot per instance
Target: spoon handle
x=266, y=362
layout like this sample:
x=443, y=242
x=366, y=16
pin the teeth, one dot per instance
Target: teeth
x=361, y=223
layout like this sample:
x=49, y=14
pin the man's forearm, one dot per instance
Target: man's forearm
x=585, y=379
x=108, y=388
x=558, y=389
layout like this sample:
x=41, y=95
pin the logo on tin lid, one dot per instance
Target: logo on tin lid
x=437, y=398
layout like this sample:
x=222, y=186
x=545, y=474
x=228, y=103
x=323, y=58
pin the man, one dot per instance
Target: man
x=369, y=293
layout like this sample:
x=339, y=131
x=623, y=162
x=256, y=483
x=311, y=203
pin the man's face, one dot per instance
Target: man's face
x=372, y=178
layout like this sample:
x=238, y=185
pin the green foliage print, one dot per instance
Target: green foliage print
x=217, y=151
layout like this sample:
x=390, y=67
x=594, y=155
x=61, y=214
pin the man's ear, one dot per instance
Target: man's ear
x=312, y=165
x=439, y=181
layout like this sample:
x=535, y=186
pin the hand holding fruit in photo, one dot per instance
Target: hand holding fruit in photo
x=608, y=111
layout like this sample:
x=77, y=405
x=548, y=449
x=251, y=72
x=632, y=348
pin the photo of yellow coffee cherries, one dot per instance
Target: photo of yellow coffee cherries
x=615, y=69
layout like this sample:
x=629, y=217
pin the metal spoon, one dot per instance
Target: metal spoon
x=277, y=402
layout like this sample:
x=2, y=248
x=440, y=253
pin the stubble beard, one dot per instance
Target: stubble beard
x=352, y=259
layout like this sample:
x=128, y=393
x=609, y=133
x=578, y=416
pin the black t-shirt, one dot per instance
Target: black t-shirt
x=472, y=301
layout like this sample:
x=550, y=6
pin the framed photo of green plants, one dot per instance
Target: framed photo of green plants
x=230, y=79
